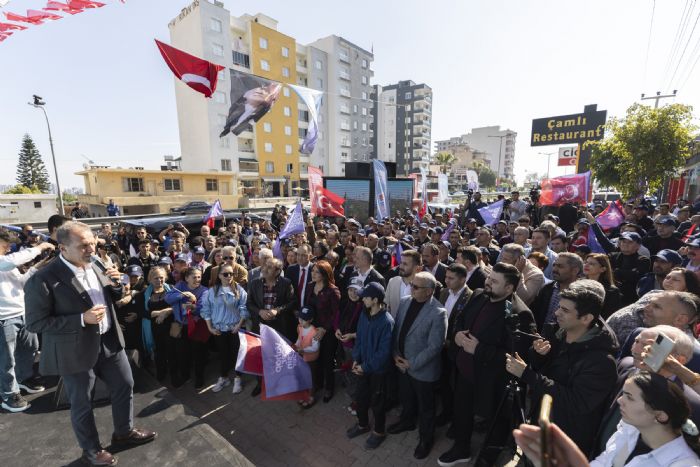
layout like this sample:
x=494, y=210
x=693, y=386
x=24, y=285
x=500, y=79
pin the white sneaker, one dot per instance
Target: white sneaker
x=220, y=384
x=237, y=385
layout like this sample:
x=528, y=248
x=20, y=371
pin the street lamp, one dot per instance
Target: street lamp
x=548, y=154
x=39, y=104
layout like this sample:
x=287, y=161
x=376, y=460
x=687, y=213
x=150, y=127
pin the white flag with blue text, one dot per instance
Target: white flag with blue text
x=381, y=193
x=492, y=213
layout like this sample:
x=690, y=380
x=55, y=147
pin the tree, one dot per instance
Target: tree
x=445, y=161
x=31, y=171
x=21, y=190
x=487, y=177
x=643, y=149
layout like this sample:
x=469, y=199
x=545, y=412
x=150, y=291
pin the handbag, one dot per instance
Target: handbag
x=197, y=329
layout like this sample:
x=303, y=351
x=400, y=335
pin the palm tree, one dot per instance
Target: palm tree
x=445, y=160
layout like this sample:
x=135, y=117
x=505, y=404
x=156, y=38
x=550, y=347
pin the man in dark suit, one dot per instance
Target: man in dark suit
x=481, y=341
x=271, y=300
x=455, y=297
x=300, y=274
x=476, y=276
x=431, y=262
x=71, y=303
x=364, y=268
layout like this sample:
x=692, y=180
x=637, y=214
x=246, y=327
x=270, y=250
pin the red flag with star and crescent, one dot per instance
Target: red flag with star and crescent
x=566, y=189
x=198, y=74
x=323, y=202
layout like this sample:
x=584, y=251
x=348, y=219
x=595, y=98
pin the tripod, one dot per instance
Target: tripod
x=510, y=405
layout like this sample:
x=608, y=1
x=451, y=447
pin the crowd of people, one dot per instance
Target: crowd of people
x=437, y=315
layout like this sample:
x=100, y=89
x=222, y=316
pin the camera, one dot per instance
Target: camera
x=535, y=194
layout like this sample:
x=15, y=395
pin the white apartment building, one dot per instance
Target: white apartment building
x=499, y=146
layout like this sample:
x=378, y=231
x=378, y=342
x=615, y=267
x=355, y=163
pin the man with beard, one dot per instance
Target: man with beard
x=664, y=261
x=480, y=344
x=664, y=238
x=400, y=286
x=567, y=268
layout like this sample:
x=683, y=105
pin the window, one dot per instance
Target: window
x=407, y=95
x=288, y=149
x=226, y=165
x=132, y=184
x=220, y=97
x=288, y=130
x=285, y=72
x=217, y=49
x=215, y=25
x=364, y=80
x=318, y=65
x=224, y=142
x=268, y=147
x=303, y=115
x=408, y=108
x=267, y=127
x=287, y=111
x=285, y=91
x=264, y=65
x=319, y=83
x=172, y=184
x=37, y=204
x=364, y=111
x=364, y=95
x=262, y=43
x=354, y=108
x=364, y=127
x=290, y=168
x=212, y=184
x=269, y=167
x=354, y=125
x=285, y=52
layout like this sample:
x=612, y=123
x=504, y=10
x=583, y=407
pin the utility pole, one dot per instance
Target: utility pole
x=39, y=104
x=658, y=97
x=549, y=155
x=500, y=150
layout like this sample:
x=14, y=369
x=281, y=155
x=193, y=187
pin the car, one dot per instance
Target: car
x=191, y=207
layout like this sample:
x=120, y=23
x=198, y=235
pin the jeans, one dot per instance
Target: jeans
x=17, y=349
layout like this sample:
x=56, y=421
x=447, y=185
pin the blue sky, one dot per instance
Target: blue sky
x=111, y=99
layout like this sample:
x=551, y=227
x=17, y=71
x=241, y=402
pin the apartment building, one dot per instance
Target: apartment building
x=499, y=146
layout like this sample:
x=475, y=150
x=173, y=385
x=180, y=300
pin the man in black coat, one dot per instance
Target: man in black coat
x=431, y=262
x=576, y=365
x=279, y=314
x=300, y=274
x=479, y=348
x=364, y=269
x=72, y=304
x=469, y=257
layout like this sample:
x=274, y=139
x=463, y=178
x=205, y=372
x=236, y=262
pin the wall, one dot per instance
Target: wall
x=21, y=208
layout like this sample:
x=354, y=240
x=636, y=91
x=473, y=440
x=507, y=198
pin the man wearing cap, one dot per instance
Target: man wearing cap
x=628, y=265
x=444, y=253
x=641, y=215
x=664, y=238
x=371, y=356
x=418, y=338
x=198, y=260
x=692, y=260
x=423, y=235
x=664, y=261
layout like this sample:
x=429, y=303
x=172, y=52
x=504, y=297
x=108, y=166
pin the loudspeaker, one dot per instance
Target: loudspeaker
x=364, y=169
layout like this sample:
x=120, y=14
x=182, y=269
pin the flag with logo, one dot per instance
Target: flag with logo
x=611, y=217
x=381, y=193
x=329, y=203
x=214, y=212
x=251, y=98
x=294, y=225
x=313, y=100
x=449, y=229
x=249, y=358
x=285, y=373
x=198, y=74
x=491, y=214
x=566, y=189
x=424, y=193
x=593, y=243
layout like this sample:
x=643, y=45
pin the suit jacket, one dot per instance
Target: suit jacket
x=477, y=279
x=372, y=276
x=292, y=273
x=531, y=281
x=55, y=300
x=457, y=310
x=285, y=321
x=392, y=297
x=440, y=273
x=425, y=339
x=540, y=305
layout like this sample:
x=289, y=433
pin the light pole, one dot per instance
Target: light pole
x=548, y=154
x=39, y=104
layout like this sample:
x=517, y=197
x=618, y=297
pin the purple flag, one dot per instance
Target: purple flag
x=593, y=242
x=285, y=371
x=611, y=217
x=295, y=223
x=448, y=230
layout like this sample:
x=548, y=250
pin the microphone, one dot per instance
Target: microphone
x=101, y=266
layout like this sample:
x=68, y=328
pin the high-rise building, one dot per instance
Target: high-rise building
x=499, y=146
x=402, y=115
x=349, y=108
x=267, y=159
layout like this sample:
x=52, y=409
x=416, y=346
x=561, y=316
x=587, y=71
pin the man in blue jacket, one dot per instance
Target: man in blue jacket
x=371, y=360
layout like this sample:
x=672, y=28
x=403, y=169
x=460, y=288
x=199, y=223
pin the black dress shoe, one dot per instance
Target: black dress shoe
x=100, y=458
x=256, y=391
x=422, y=450
x=134, y=438
x=400, y=427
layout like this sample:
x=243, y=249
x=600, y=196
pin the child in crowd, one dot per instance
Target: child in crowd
x=307, y=346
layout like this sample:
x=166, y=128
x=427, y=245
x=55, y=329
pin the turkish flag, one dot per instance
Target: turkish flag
x=24, y=19
x=80, y=4
x=42, y=15
x=328, y=203
x=4, y=27
x=4, y=35
x=198, y=74
x=566, y=189
x=58, y=6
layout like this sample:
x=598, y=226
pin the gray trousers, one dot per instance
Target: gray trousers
x=113, y=368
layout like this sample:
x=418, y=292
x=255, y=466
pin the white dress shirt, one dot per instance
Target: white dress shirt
x=88, y=279
x=405, y=288
x=307, y=270
x=452, y=298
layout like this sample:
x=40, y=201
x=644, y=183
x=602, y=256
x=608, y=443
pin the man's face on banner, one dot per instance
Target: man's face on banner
x=263, y=95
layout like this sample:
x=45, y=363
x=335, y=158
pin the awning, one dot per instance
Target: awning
x=273, y=179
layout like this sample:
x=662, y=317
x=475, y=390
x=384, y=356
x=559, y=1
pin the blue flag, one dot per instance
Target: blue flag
x=284, y=370
x=381, y=193
x=295, y=223
x=492, y=213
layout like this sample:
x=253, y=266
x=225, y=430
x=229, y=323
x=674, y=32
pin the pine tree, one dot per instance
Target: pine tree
x=31, y=171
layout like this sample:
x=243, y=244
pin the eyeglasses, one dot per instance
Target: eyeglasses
x=226, y=274
x=227, y=258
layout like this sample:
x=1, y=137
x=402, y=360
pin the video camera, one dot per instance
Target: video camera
x=535, y=193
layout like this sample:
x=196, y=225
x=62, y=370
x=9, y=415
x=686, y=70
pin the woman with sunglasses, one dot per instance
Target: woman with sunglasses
x=186, y=299
x=228, y=256
x=224, y=310
x=324, y=297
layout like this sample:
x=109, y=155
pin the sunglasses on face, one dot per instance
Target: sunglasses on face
x=418, y=287
x=227, y=258
x=226, y=274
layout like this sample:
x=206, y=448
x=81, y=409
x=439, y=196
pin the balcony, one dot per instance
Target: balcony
x=344, y=109
x=343, y=57
x=344, y=75
x=345, y=92
x=248, y=168
x=241, y=59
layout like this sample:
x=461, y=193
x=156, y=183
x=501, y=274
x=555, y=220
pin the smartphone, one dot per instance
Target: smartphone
x=545, y=431
x=661, y=348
